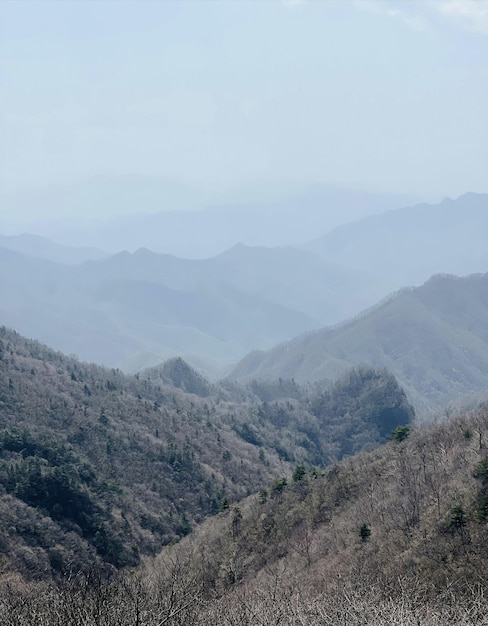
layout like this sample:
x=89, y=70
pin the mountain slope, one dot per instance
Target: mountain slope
x=96, y=466
x=299, y=280
x=394, y=536
x=101, y=468
x=432, y=338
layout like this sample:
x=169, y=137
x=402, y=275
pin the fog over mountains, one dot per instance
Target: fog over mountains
x=133, y=310
x=131, y=212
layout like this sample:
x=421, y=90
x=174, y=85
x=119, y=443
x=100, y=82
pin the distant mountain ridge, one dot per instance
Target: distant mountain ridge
x=407, y=246
x=133, y=310
x=108, y=311
x=168, y=217
x=44, y=248
x=113, y=309
x=433, y=338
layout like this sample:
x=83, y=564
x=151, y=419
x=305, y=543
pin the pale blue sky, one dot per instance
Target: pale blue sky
x=390, y=96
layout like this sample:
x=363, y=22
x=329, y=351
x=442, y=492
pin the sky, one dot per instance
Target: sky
x=374, y=94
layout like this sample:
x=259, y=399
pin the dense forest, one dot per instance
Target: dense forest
x=396, y=535
x=163, y=498
x=100, y=467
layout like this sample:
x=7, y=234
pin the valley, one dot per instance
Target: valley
x=243, y=313
x=98, y=470
x=340, y=470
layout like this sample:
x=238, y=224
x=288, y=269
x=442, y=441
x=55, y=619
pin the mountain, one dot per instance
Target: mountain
x=135, y=310
x=178, y=373
x=392, y=536
x=168, y=217
x=433, y=338
x=407, y=246
x=111, y=310
x=297, y=279
x=43, y=248
x=99, y=469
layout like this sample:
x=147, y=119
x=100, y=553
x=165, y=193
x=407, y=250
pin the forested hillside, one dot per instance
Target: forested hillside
x=393, y=536
x=432, y=338
x=99, y=466
x=98, y=463
x=397, y=536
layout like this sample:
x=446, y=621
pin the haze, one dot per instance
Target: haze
x=239, y=101
x=203, y=179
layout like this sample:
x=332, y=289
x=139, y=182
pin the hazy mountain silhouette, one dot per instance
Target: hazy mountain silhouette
x=406, y=246
x=134, y=310
x=44, y=248
x=293, y=278
x=171, y=218
x=109, y=311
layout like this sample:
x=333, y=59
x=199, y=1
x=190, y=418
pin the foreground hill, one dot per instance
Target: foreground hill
x=433, y=338
x=99, y=467
x=394, y=536
x=95, y=465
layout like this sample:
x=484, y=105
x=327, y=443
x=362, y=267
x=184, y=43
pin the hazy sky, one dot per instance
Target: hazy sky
x=392, y=96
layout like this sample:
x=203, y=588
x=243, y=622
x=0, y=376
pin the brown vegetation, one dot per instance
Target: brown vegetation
x=97, y=466
x=297, y=552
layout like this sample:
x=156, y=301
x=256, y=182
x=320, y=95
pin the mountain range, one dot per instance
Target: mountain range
x=112, y=310
x=101, y=468
x=97, y=468
x=43, y=248
x=131, y=212
x=134, y=310
x=323, y=502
